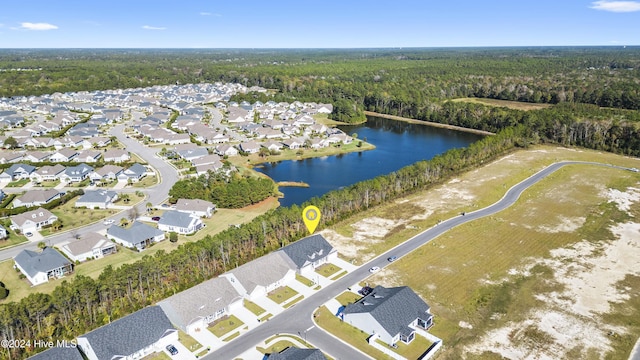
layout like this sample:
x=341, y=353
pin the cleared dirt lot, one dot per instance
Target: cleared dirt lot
x=555, y=276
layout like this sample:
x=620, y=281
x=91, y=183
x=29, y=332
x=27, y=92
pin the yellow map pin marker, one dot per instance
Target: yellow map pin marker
x=311, y=218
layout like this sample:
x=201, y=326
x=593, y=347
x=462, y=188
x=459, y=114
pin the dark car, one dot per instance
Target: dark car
x=156, y=218
x=172, y=349
x=392, y=258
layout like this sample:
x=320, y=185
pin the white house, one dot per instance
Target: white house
x=138, y=236
x=259, y=277
x=91, y=245
x=197, y=207
x=40, y=267
x=32, y=220
x=179, y=222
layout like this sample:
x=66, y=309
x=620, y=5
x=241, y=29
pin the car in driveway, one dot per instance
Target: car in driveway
x=392, y=258
x=28, y=234
x=172, y=349
x=156, y=218
x=374, y=269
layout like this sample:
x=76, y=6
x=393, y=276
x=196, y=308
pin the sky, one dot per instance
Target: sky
x=316, y=24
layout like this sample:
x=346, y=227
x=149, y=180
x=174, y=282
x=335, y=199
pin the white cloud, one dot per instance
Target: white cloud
x=147, y=27
x=37, y=26
x=616, y=6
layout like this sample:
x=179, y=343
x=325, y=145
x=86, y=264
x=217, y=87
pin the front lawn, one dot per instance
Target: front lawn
x=188, y=342
x=254, y=308
x=282, y=294
x=225, y=325
x=327, y=270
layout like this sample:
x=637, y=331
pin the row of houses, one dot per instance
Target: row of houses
x=66, y=155
x=72, y=174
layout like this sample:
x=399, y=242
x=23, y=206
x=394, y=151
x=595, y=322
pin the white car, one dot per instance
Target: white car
x=108, y=222
x=374, y=269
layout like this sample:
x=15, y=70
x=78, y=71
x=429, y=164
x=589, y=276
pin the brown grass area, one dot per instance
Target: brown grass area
x=516, y=105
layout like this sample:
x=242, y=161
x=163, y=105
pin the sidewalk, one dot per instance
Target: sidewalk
x=269, y=305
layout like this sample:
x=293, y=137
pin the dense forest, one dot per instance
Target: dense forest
x=232, y=192
x=595, y=92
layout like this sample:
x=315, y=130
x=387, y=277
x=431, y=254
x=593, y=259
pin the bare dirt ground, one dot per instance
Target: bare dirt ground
x=571, y=318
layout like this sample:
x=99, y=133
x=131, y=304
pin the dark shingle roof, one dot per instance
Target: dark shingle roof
x=309, y=249
x=129, y=334
x=393, y=308
x=59, y=353
x=137, y=233
x=294, y=353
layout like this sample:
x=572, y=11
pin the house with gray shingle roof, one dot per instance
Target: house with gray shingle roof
x=134, y=336
x=196, y=207
x=262, y=275
x=32, y=220
x=138, y=236
x=40, y=267
x=47, y=173
x=116, y=155
x=294, y=353
x=179, y=222
x=37, y=197
x=91, y=245
x=17, y=172
x=134, y=173
x=392, y=314
x=194, y=309
x=309, y=253
x=76, y=173
x=101, y=199
x=59, y=353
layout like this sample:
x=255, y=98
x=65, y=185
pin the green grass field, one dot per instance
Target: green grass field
x=516, y=105
x=282, y=294
x=225, y=325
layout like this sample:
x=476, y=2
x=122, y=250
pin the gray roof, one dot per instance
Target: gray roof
x=97, y=196
x=393, y=308
x=59, y=353
x=199, y=301
x=88, y=243
x=193, y=205
x=175, y=218
x=129, y=334
x=263, y=271
x=37, y=215
x=78, y=170
x=137, y=233
x=27, y=168
x=307, y=250
x=33, y=263
x=136, y=169
x=294, y=353
x=193, y=153
x=41, y=196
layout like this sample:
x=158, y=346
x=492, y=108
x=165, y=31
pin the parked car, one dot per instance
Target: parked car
x=156, y=218
x=374, y=269
x=172, y=349
x=108, y=221
x=28, y=234
x=392, y=258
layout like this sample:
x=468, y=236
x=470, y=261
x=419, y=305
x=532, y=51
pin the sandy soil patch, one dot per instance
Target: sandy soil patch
x=589, y=273
x=623, y=199
x=565, y=224
x=366, y=232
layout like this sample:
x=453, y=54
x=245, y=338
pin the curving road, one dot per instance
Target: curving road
x=155, y=194
x=298, y=319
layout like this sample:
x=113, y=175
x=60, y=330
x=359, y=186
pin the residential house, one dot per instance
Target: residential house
x=190, y=154
x=40, y=267
x=325, y=108
x=237, y=115
x=179, y=222
x=272, y=145
x=138, y=236
x=97, y=199
x=310, y=253
x=116, y=156
x=106, y=173
x=17, y=172
x=89, y=156
x=206, y=160
x=259, y=277
x=134, y=173
x=250, y=147
x=3, y=232
x=36, y=156
x=76, y=173
x=32, y=220
x=91, y=245
x=391, y=314
x=192, y=310
x=205, y=169
x=10, y=157
x=226, y=149
x=47, y=173
x=37, y=197
x=134, y=336
x=294, y=353
x=196, y=207
x=64, y=155
x=293, y=143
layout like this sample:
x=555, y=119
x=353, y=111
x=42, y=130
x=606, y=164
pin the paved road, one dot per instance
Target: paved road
x=298, y=318
x=155, y=194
